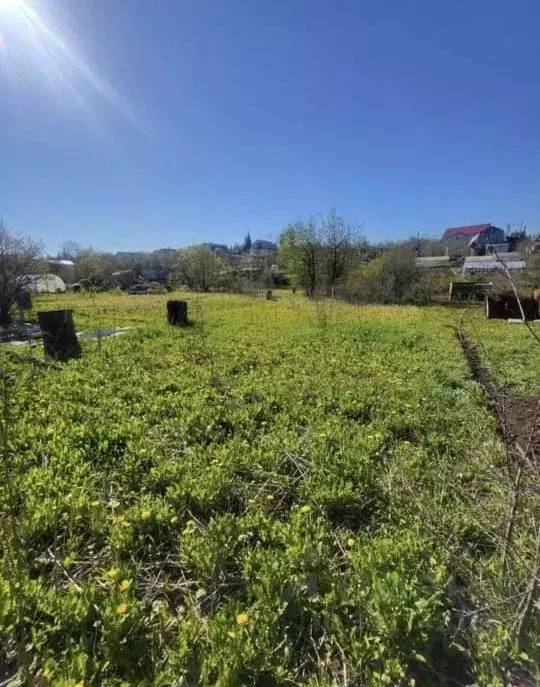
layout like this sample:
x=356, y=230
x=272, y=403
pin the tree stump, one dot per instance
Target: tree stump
x=59, y=338
x=177, y=313
x=269, y=295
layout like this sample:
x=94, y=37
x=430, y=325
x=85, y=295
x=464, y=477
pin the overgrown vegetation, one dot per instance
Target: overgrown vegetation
x=19, y=256
x=286, y=493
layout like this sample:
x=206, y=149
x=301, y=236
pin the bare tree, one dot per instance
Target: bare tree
x=19, y=256
x=69, y=250
x=340, y=238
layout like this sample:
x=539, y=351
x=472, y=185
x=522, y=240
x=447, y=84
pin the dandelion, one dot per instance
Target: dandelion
x=270, y=497
x=145, y=514
x=351, y=541
x=305, y=509
x=113, y=573
x=125, y=585
x=190, y=526
x=231, y=635
x=121, y=609
x=95, y=503
x=242, y=619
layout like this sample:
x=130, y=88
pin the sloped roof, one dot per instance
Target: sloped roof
x=435, y=261
x=488, y=265
x=262, y=244
x=489, y=257
x=471, y=230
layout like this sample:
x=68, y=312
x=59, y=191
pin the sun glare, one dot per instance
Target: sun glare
x=10, y=4
x=41, y=43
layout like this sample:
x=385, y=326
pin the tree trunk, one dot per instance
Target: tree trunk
x=177, y=313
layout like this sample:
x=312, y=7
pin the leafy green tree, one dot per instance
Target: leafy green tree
x=390, y=277
x=95, y=267
x=301, y=254
x=199, y=268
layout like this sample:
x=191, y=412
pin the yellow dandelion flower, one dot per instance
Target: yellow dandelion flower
x=189, y=528
x=231, y=635
x=351, y=541
x=125, y=585
x=113, y=573
x=121, y=609
x=95, y=503
x=145, y=514
x=242, y=619
x=46, y=672
x=305, y=509
x=270, y=497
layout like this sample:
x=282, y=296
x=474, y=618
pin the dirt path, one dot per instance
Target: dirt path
x=519, y=416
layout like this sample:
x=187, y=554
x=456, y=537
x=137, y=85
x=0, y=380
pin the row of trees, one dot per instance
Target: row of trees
x=324, y=256
x=329, y=257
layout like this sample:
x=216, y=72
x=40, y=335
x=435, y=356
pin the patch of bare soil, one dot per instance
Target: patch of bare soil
x=523, y=423
x=519, y=416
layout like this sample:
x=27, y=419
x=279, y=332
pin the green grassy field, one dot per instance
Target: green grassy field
x=284, y=493
x=510, y=352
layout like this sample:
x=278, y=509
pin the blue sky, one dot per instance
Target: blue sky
x=168, y=122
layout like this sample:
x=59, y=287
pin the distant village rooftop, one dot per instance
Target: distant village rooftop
x=470, y=230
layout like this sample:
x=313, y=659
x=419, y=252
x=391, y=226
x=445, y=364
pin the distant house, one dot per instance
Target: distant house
x=461, y=241
x=43, y=283
x=217, y=247
x=156, y=273
x=263, y=248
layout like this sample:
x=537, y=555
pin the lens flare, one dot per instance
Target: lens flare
x=42, y=48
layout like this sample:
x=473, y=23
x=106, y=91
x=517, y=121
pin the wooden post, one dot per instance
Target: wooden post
x=177, y=313
x=59, y=338
x=269, y=295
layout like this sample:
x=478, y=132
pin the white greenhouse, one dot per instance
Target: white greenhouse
x=43, y=283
